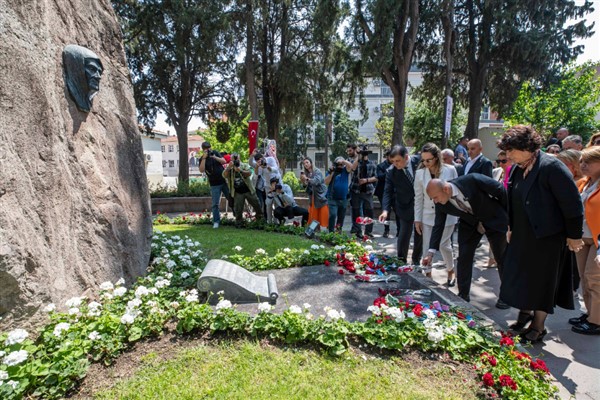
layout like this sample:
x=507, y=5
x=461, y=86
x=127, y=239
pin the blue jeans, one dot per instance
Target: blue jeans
x=337, y=213
x=215, y=194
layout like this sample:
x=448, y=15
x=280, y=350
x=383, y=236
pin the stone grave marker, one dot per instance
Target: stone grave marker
x=238, y=285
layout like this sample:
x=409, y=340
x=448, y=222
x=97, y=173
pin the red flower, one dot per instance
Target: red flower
x=506, y=380
x=539, y=365
x=341, y=272
x=460, y=315
x=506, y=341
x=489, y=358
x=358, y=220
x=365, y=238
x=379, y=301
x=327, y=263
x=488, y=379
x=418, y=310
x=296, y=223
x=183, y=218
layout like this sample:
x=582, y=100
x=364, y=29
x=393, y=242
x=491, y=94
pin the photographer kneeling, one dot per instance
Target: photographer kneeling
x=238, y=176
x=281, y=196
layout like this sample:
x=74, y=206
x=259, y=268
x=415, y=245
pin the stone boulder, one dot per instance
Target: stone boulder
x=74, y=203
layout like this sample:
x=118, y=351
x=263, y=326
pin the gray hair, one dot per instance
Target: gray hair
x=448, y=152
x=573, y=139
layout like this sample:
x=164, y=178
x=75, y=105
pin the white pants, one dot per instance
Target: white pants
x=445, y=245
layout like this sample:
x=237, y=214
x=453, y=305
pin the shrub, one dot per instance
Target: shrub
x=196, y=188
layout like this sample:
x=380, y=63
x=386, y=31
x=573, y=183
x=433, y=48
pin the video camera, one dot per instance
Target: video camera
x=364, y=151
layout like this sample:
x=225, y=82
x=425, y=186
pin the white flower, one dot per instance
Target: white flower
x=223, y=304
x=224, y=257
x=106, y=286
x=94, y=336
x=435, y=335
x=264, y=307
x=169, y=275
x=129, y=317
x=49, y=308
x=294, y=309
x=176, y=252
x=120, y=282
x=185, y=275
x=191, y=298
x=133, y=303
x=153, y=290
x=368, y=247
x=374, y=310
x=161, y=283
x=396, y=313
x=152, y=303
x=306, y=306
x=13, y=384
x=59, y=328
x=120, y=291
x=429, y=314
x=334, y=315
x=174, y=304
x=286, y=250
x=74, y=302
x=171, y=264
x=16, y=336
x=238, y=248
x=196, y=244
x=450, y=330
x=141, y=291
x=94, y=305
x=260, y=251
x=106, y=295
x=74, y=311
x=2, y=353
x=221, y=292
x=314, y=247
x=3, y=375
x=306, y=252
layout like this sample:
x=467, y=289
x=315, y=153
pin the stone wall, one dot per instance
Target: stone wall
x=74, y=205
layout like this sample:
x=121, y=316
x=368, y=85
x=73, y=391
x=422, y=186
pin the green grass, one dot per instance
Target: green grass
x=248, y=370
x=217, y=242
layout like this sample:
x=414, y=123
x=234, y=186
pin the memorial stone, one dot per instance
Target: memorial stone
x=237, y=284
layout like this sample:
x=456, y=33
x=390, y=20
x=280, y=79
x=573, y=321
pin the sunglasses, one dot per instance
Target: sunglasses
x=428, y=160
x=501, y=161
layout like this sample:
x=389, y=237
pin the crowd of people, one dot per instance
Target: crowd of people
x=537, y=204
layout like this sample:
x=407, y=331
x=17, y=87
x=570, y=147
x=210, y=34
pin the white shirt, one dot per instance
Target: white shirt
x=471, y=162
x=424, y=206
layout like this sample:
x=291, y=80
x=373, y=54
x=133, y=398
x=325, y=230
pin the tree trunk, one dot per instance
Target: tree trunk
x=328, y=136
x=477, y=82
x=182, y=141
x=449, y=38
x=249, y=61
x=399, y=111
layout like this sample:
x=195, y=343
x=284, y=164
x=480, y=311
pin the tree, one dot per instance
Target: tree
x=229, y=137
x=181, y=56
x=385, y=32
x=573, y=101
x=501, y=44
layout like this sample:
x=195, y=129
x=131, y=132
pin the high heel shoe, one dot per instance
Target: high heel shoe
x=522, y=320
x=529, y=339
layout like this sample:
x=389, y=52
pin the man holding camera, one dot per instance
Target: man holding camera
x=239, y=179
x=265, y=168
x=211, y=163
x=364, y=180
x=281, y=196
x=337, y=181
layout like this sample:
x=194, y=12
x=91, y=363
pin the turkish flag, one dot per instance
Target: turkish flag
x=252, y=135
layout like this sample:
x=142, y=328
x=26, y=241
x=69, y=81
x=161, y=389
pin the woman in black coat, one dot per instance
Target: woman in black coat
x=545, y=212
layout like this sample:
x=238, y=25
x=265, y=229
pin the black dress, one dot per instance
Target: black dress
x=532, y=266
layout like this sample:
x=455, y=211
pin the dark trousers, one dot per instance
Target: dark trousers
x=468, y=239
x=261, y=195
x=280, y=213
x=364, y=201
x=406, y=228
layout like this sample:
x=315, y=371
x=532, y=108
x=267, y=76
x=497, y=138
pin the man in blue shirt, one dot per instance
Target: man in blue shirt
x=461, y=150
x=337, y=181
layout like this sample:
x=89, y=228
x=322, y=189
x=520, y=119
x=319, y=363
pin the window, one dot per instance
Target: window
x=485, y=112
x=171, y=163
x=291, y=163
x=162, y=148
x=320, y=160
x=171, y=148
x=178, y=148
x=385, y=90
x=164, y=163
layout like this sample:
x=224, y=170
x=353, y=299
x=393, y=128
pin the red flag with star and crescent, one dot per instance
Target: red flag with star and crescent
x=252, y=135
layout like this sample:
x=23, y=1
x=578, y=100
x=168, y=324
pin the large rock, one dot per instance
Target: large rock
x=74, y=204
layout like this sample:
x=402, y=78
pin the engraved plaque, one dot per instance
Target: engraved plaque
x=238, y=285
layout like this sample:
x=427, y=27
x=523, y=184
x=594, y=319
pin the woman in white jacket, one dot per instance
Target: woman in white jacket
x=432, y=166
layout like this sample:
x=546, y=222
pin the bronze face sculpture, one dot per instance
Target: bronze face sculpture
x=83, y=70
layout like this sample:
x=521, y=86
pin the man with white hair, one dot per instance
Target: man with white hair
x=477, y=163
x=448, y=158
x=561, y=134
x=572, y=142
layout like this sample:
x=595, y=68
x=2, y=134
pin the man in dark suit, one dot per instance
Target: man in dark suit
x=480, y=202
x=399, y=193
x=477, y=163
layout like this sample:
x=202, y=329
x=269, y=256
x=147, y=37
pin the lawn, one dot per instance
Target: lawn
x=255, y=370
x=217, y=242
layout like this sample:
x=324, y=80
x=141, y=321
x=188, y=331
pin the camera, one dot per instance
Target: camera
x=364, y=151
x=263, y=162
x=236, y=160
x=278, y=187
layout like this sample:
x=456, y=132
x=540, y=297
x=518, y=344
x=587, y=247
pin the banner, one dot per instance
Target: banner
x=448, y=122
x=252, y=135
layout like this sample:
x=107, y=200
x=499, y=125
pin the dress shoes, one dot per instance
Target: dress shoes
x=386, y=234
x=451, y=282
x=586, y=328
x=578, y=320
x=465, y=297
x=502, y=305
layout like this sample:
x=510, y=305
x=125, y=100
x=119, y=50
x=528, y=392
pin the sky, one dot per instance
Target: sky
x=590, y=53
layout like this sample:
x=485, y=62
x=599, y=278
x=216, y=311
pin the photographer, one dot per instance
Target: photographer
x=364, y=180
x=211, y=163
x=337, y=181
x=239, y=179
x=265, y=168
x=281, y=196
